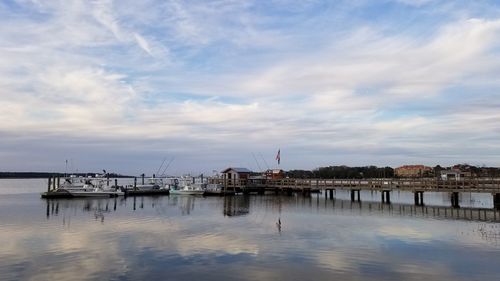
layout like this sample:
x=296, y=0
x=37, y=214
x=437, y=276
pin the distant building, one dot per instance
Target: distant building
x=275, y=174
x=236, y=176
x=413, y=171
x=454, y=174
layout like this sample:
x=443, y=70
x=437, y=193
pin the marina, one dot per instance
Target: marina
x=214, y=238
x=250, y=140
x=210, y=186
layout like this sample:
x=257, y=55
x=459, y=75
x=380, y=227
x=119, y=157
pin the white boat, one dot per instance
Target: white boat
x=87, y=187
x=186, y=185
x=217, y=189
x=96, y=193
x=188, y=190
x=73, y=182
x=152, y=184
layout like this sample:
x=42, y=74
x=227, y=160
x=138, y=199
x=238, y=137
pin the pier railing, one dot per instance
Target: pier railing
x=411, y=184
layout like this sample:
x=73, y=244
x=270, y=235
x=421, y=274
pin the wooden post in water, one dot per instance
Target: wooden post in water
x=58, y=181
x=54, y=183
x=496, y=201
x=142, y=177
x=454, y=200
x=419, y=198
x=116, y=183
x=48, y=184
x=135, y=184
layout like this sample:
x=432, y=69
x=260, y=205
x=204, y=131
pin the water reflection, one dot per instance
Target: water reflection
x=214, y=238
x=232, y=206
x=236, y=206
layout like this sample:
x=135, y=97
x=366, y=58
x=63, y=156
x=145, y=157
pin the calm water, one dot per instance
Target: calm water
x=236, y=238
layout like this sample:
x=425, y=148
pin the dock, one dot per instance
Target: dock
x=385, y=186
x=146, y=192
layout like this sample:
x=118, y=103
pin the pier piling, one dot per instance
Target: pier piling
x=496, y=201
x=386, y=196
x=353, y=195
x=454, y=200
x=419, y=198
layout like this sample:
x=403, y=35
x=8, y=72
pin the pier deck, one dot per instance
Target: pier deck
x=414, y=185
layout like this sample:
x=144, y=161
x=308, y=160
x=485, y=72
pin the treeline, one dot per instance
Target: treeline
x=343, y=172
x=474, y=171
x=346, y=172
x=43, y=175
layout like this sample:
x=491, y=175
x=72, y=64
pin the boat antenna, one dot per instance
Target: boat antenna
x=264, y=160
x=161, y=166
x=253, y=155
x=168, y=165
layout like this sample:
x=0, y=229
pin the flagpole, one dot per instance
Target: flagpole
x=278, y=157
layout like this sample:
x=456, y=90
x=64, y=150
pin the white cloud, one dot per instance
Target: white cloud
x=224, y=75
x=143, y=44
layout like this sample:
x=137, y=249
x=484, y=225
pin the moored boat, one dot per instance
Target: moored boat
x=217, y=190
x=187, y=186
x=188, y=190
x=151, y=185
x=83, y=187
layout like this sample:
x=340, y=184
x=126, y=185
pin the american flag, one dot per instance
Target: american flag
x=278, y=156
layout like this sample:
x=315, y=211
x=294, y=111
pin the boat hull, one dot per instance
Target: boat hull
x=97, y=194
x=187, y=192
x=62, y=193
x=218, y=192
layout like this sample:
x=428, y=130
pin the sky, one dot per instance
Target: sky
x=123, y=85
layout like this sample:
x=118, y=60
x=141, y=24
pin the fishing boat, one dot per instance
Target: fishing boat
x=72, y=182
x=85, y=187
x=217, y=189
x=151, y=184
x=64, y=193
x=188, y=190
x=186, y=186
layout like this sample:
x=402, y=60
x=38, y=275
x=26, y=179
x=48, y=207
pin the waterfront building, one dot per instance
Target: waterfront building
x=236, y=175
x=413, y=171
x=275, y=174
x=454, y=174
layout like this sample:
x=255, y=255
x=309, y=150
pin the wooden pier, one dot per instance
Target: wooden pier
x=384, y=186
